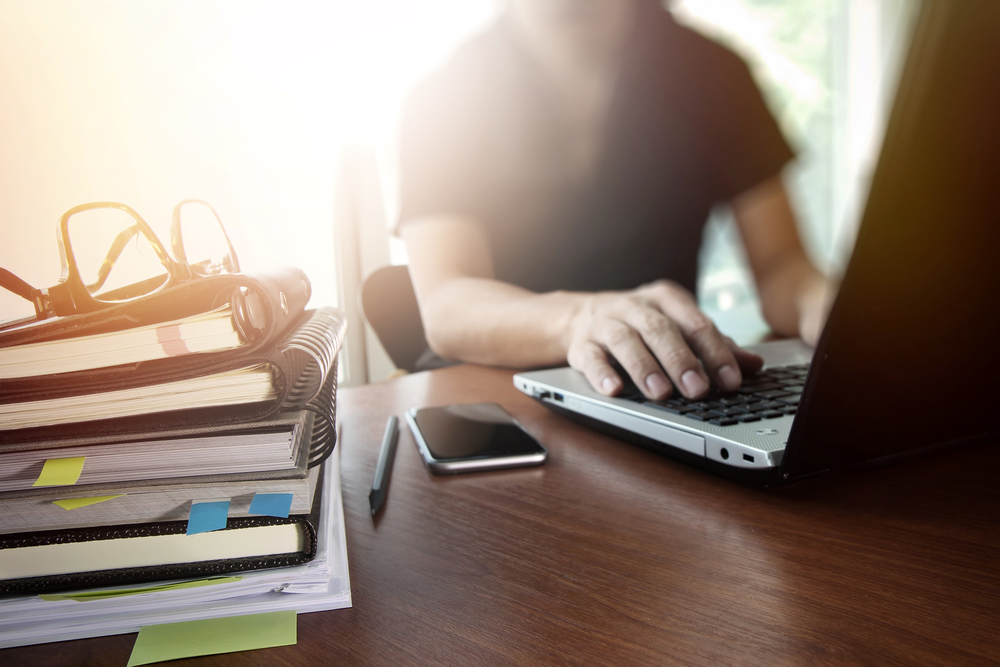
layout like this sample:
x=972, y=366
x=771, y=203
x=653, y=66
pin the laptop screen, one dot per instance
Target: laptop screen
x=909, y=357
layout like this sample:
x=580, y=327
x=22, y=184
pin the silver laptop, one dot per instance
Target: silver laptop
x=745, y=430
x=908, y=361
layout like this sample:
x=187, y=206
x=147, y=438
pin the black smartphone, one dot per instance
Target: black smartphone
x=472, y=436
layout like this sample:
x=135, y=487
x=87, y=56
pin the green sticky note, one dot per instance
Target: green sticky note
x=61, y=472
x=173, y=641
x=104, y=593
x=76, y=503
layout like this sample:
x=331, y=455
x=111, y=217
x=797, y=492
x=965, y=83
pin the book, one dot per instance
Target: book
x=298, y=371
x=161, y=498
x=210, y=331
x=322, y=583
x=140, y=502
x=60, y=560
x=252, y=384
x=265, y=445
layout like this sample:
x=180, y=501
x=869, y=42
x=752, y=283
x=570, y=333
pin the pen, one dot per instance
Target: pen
x=384, y=467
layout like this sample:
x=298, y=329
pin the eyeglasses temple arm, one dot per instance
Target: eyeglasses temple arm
x=14, y=284
x=39, y=297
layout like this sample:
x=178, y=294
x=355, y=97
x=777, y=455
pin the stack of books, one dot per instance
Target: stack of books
x=158, y=469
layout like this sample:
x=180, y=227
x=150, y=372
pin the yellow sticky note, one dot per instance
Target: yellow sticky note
x=61, y=472
x=159, y=643
x=76, y=503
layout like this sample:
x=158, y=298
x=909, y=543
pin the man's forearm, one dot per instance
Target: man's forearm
x=490, y=322
x=792, y=290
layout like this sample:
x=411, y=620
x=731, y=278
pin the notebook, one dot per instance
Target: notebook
x=907, y=362
x=99, y=499
x=322, y=583
x=209, y=331
x=297, y=369
x=129, y=554
x=271, y=445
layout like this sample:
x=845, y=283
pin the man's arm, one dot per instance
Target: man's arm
x=471, y=316
x=795, y=297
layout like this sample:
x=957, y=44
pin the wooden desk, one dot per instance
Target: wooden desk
x=612, y=555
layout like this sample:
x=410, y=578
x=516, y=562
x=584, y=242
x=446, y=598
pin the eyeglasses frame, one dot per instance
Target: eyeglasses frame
x=231, y=262
x=72, y=296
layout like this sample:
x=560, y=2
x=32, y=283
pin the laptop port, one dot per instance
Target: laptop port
x=747, y=457
x=558, y=397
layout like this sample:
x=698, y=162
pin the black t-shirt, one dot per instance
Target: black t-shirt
x=686, y=128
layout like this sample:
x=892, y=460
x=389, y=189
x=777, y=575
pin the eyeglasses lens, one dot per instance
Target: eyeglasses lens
x=115, y=259
x=205, y=245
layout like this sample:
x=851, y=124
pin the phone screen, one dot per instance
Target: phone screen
x=473, y=431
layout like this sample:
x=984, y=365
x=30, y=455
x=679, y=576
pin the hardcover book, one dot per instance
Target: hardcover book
x=163, y=498
x=62, y=560
x=322, y=583
x=249, y=447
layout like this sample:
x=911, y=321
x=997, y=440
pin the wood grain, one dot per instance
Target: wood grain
x=612, y=555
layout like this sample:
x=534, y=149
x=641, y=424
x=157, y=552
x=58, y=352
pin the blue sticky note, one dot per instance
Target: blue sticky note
x=206, y=517
x=271, y=504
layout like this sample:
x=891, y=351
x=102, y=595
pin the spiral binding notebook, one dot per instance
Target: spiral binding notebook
x=298, y=372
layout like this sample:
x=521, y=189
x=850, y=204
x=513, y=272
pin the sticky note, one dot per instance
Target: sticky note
x=207, y=517
x=173, y=641
x=60, y=472
x=271, y=504
x=77, y=503
x=104, y=593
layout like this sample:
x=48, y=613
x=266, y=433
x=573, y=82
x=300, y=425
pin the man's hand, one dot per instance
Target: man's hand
x=653, y=329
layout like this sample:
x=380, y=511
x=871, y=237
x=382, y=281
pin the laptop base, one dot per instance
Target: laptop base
x=751, y=477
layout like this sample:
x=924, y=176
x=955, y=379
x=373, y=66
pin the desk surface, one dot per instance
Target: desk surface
x=612, y=555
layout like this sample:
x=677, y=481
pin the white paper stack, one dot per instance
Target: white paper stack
x=321, y=584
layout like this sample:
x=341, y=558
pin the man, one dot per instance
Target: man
x=559, y=171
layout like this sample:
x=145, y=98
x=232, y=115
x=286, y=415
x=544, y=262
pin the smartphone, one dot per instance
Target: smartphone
x=472, y=436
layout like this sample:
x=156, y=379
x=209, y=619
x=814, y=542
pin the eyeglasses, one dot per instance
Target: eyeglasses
x=135, y=264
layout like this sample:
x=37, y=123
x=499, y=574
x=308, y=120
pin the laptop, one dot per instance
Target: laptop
x=909, y=360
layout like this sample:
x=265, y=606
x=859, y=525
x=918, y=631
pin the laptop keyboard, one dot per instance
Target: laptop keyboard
x=767, y=394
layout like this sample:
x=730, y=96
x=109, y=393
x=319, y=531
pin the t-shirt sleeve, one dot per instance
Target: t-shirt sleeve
x=745, y=145
x=439, y=142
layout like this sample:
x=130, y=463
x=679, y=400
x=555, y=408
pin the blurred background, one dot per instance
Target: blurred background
x=283, y=115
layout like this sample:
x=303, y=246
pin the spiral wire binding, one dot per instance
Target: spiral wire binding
x=241, y=316
x=312, y=351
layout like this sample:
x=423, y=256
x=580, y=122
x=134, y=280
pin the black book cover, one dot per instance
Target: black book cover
x=182, y=570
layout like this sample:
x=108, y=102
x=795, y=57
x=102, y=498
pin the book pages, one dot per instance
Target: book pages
x=245, y=385
x=206, y=332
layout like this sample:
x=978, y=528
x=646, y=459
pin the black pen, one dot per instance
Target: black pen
x=384, y=467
